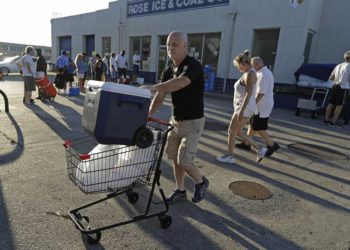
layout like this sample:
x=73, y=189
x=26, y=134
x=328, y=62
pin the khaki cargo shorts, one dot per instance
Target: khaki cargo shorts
x=182, y=143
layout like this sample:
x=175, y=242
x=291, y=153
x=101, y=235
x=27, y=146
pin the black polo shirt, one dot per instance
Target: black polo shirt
x=187, y=102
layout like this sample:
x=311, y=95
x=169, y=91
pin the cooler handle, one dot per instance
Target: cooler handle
x=131, y=100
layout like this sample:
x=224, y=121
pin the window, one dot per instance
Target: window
x=65, y=43
x=308, y=44
x=89, y=44
x=106, y=45
x=205, y=48
x=195, y=46
x=265, y=45
x=163, y=59
x=143, y=46
x=211, y=50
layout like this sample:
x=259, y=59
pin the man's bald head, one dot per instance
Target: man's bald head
x=177, y=46
x=181, y=35
x=257, y=62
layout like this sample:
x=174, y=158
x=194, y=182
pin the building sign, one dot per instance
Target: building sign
x=153, y=7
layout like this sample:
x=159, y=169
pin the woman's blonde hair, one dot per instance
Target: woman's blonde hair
x=78, y=56
x=243, y=58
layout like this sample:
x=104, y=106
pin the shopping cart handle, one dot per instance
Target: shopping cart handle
x=152, y=119
x=67, y=143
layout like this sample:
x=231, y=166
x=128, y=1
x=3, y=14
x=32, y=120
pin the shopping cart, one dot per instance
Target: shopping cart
x=311, y=105
x=118, y=170
x=46, y=88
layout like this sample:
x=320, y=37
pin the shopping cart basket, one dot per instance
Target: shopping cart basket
x=117, y=169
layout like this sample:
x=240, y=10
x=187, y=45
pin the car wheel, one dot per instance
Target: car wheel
x=5, y=71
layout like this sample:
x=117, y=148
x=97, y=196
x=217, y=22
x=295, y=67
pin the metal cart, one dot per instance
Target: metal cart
x=311, y=105
x=117, y=170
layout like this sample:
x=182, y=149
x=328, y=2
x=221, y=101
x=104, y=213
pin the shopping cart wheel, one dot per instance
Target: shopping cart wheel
x=314, y=114
x=297, y=112
x=143, y=138
x=133, y=197
x=52, y=99
x=81, y=218
x=93, y=239
x=165, y=221
x=86, y=218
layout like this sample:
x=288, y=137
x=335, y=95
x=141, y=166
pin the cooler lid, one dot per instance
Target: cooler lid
x=120, y=88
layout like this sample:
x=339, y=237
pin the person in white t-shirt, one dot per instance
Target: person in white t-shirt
x=339, y=91
x=136, y=60
x=265, y=103
x=122, y=64
x=113, y=67
x=28, y=66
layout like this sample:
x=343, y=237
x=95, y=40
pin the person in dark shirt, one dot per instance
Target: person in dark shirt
x=41, y=64
x=41, y=67
x=70, y=70
x=98, y=69
x=184, y=79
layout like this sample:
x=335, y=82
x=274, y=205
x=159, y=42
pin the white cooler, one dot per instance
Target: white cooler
x=114, y=113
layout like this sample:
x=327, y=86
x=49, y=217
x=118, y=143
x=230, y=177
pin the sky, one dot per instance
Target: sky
x=28, y=22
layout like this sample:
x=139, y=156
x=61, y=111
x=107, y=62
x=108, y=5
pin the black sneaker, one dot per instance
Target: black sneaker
x=176, y=196
x=272, y=149
x=199, y=190
x=325, y=122
x=334, y=125
x=244, y=146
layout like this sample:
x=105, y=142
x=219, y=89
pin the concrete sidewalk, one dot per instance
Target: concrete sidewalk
x=310, y=207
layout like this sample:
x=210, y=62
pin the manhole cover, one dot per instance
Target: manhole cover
x=316, y=151
x=250, y=190
x=215, y=126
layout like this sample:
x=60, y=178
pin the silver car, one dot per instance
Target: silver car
x=8, y=65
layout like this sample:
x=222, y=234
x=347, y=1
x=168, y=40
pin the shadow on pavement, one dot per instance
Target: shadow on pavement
x=6, y=239
x=270, y=170
x=295, y=191
x=90, y=247
x=238, y=228
x=14, y=155
x=70, y=117
x=300, y=193
x=78, y=100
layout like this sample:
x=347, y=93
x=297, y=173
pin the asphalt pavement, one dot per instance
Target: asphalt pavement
x=309, y=178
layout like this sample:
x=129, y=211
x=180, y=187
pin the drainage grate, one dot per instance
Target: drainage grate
x=250, y=190
x=215, y=126
x=317, y=151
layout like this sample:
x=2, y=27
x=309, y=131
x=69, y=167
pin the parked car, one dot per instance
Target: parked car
x=8, y=65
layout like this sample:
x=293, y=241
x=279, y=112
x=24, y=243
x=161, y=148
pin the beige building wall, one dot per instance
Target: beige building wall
x=327, y=19
x=333, y=39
